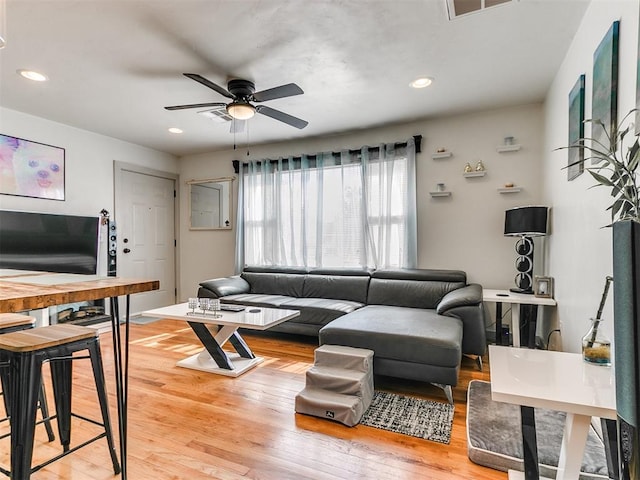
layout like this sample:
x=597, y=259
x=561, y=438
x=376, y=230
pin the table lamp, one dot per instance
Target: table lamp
x=525, y=222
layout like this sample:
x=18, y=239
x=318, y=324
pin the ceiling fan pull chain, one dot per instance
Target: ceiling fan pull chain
x=248, y=143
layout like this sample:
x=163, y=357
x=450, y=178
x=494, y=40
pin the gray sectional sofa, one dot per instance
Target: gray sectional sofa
x=418, y=322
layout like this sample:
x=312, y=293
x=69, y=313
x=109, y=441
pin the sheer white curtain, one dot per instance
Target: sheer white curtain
x=327, y=210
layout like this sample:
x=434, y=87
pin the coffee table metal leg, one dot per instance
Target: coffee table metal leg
x=240, y=345
x=211, y=345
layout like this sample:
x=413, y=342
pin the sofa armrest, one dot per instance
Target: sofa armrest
x=466, y=304
x=221, y=287
x=462, y=297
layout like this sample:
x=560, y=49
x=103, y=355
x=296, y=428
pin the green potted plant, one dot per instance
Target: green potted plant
x=616, y=167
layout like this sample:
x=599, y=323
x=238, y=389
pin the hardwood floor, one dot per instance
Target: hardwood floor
x=185, y=424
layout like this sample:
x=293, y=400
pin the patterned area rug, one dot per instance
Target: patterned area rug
x=411, y=416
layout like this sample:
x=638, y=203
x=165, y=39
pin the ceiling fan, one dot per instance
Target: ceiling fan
x=242, y=93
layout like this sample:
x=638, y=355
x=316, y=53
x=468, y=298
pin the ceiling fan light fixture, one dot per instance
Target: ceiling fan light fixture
x=421, y=82
x=241, y=110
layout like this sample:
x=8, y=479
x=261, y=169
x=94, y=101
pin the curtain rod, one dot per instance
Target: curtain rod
x=416, y=138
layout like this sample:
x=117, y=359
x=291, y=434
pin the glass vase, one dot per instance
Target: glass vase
x=596, y=346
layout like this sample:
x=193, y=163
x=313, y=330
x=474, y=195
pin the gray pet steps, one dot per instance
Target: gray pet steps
x=349, y=358
x=339, y=386
x=346, y=409
x=340, y=380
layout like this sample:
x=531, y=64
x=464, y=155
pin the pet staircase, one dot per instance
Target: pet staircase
x=339, y=385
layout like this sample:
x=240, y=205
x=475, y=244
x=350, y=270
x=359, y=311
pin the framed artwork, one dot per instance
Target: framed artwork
x=604, y=96
x=31, y=169
x=575, y=162
x=543, y=287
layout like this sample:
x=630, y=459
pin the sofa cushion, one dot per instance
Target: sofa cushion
x=413, y=288
x=226, y=286
x=256, y=299
x=343, y=285
x=399, y=333
x=275, y=283
x=450, y=276
x=319, y=311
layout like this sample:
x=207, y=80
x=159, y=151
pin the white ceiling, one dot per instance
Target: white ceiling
x=113, y=65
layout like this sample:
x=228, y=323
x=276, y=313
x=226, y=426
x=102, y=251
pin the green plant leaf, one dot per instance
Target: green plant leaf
x=600, y=178
x=615, y=208
x=614, y=164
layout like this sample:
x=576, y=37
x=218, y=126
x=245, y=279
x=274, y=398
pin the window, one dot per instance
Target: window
x=353, y=209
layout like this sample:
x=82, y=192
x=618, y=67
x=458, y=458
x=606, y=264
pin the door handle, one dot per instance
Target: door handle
x=126, y=250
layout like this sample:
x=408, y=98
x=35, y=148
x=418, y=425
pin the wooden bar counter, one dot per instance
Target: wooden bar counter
x=27, y=290
x=16, y=295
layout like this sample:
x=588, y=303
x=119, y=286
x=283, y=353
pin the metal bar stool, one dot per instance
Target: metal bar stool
x=26, y=351
x=14, y=322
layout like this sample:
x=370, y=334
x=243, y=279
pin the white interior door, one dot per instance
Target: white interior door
x=145, y=219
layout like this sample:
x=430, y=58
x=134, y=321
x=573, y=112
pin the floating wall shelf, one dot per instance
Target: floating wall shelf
x=440, y=194
x=439, y=155
x=508, y=148
x=510, y=189
x=474, y=174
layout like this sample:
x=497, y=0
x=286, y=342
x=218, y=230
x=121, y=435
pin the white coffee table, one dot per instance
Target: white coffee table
x=213, y=358
x=558, y=381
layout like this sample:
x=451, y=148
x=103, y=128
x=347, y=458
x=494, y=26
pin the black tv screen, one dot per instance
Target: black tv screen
x=48, y=242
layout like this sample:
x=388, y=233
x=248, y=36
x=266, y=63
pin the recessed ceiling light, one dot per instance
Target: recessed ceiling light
x=421, y=82
x=32, y=75
x=175, y=130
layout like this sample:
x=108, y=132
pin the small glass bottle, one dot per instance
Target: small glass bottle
x=596, y=346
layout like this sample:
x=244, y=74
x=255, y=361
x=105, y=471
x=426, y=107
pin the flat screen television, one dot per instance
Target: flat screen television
x=48, y=242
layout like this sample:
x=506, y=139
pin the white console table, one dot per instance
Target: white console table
x=556, y=381
x=515, y=300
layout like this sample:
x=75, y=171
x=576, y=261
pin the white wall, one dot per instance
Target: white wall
x=463, y=231
x=580, y=255
x=88, y=164
x=89, y=161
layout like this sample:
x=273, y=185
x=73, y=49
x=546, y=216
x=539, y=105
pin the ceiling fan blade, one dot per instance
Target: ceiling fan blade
x=196, y=105
x=288, y=90
x=208, y=83
x=237, y=126
x=281, y=116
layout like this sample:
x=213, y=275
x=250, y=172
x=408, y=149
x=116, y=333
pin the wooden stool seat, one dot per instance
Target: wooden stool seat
x=44, y=337
x=12, y=320
x=26, y=351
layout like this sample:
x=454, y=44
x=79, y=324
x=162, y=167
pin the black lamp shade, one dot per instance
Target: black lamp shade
x=526, y=221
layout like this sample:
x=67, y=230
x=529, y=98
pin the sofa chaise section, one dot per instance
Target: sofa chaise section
x=418, y=323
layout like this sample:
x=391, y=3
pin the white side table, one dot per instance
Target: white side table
x=557, y=381
x=515, y=299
